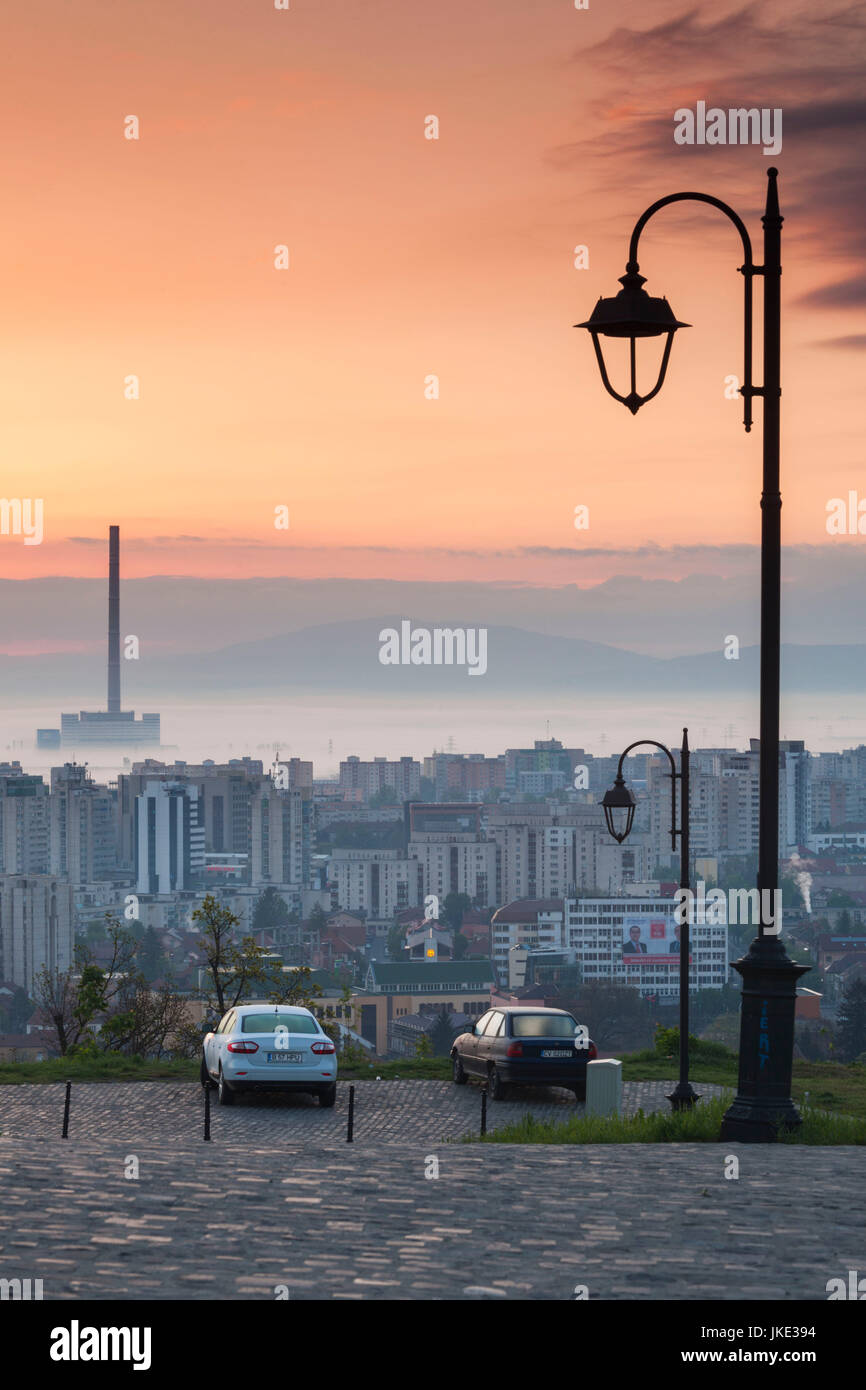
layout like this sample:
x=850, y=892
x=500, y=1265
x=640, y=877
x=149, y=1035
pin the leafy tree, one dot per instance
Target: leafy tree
x=453, y=908
x=836, y=898
x=150, y=957
x=386, y=797
x=75, y=999
x=851, y=1022
x=95, y=1009
x=395, y=942
x=239, y=968
x=17, y=1012
x=317, y=920
x=791, y=894
x=442, y=1035
x=135, y=928
x=270, y=911
x=615, y=1015
x=423, y=1046
x=461, y=946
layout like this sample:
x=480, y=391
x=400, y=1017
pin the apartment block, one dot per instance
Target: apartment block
x=36, y=927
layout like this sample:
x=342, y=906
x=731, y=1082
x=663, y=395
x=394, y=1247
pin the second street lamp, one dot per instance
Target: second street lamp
x=619, y=805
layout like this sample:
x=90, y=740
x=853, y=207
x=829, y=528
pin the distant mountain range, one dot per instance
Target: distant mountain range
x=339, y=658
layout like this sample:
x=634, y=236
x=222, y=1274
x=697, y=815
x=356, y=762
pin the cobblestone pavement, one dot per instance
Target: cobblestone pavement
x=506, y=1221
x=385, y=1111
x=279, y=1199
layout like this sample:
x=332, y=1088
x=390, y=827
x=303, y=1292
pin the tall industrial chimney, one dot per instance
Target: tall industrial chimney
x=114, y=620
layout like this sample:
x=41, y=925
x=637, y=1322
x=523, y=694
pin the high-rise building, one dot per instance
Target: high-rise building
x=225, y=792
x=379, y=882
x=464, y=777
x=360, y=780
x=546, y=767
x=455, y=856
x=282, y=836
x=24, y=817
x=83, y=827
x=169, y=838
x=36, y=927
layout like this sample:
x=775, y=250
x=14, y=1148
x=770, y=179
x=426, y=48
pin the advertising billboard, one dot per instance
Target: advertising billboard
x=651, y=939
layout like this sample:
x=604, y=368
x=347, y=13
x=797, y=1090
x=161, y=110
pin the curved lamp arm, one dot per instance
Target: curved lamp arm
x=748, y=270
x=642, y=742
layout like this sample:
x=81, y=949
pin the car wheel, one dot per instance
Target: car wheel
x=205, y=1075
x=496, y=1088
x=458, y=1074
x=328, y=1095
x=580, y=1095
x=226, y=1097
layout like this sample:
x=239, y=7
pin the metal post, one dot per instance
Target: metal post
x=763, y=1102
x=351, y=1128
x=207, y=1112
x=483, y=1109
x=683, y=1097
x=65, y=1134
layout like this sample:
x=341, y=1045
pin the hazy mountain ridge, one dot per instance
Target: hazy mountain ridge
x=337, y=658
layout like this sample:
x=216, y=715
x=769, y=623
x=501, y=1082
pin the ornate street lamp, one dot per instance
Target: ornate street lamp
x=632, y=314
x=763, y=1102
x=618, y=801
x=619, y=805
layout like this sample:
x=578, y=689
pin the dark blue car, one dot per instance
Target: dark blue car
x=524, y=1047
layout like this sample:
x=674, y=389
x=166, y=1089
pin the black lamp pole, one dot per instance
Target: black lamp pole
x=763, y=1102
x=683, y=1096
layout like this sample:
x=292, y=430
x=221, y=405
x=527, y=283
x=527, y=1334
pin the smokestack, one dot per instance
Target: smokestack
x=114, y=620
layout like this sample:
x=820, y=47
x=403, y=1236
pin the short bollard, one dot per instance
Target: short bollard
x=483, y=1109
x=604, y=1087
x=351, y=1129
x=207, y=1112
x=65, y=1134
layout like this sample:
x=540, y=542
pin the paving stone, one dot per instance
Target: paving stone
x=279, y=1198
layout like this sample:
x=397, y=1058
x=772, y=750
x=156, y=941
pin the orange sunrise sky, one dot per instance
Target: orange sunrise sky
x=410, y=257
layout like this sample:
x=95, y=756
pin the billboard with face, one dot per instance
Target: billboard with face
x=650, y=939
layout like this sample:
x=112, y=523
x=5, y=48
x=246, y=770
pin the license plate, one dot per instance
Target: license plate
x=285, y=1057
x=555, y=1052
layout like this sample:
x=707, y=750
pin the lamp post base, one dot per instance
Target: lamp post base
x=763, y=1103
x=756, y=1120
x=683, y=1097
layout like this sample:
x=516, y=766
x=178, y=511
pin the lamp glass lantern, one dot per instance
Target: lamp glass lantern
x=619, y=804
x=632, y=314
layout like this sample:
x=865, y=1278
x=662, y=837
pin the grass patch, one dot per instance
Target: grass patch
x=112, y=1066
x=830, y=1085
x=701, y=1125
x=407, y=1069
x=108, y=1066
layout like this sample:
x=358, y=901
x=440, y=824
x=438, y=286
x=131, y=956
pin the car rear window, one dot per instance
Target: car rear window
x=543, y=1026
x=268, y=1023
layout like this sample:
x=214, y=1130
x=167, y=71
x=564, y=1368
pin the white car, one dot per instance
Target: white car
x=270, y=1047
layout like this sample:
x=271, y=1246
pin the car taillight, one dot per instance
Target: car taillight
x=320, y=1047
x=592, y=1052
x=514, y=1050
x=243, y=1047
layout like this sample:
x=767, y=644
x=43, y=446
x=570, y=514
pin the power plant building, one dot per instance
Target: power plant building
x=114, y=726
